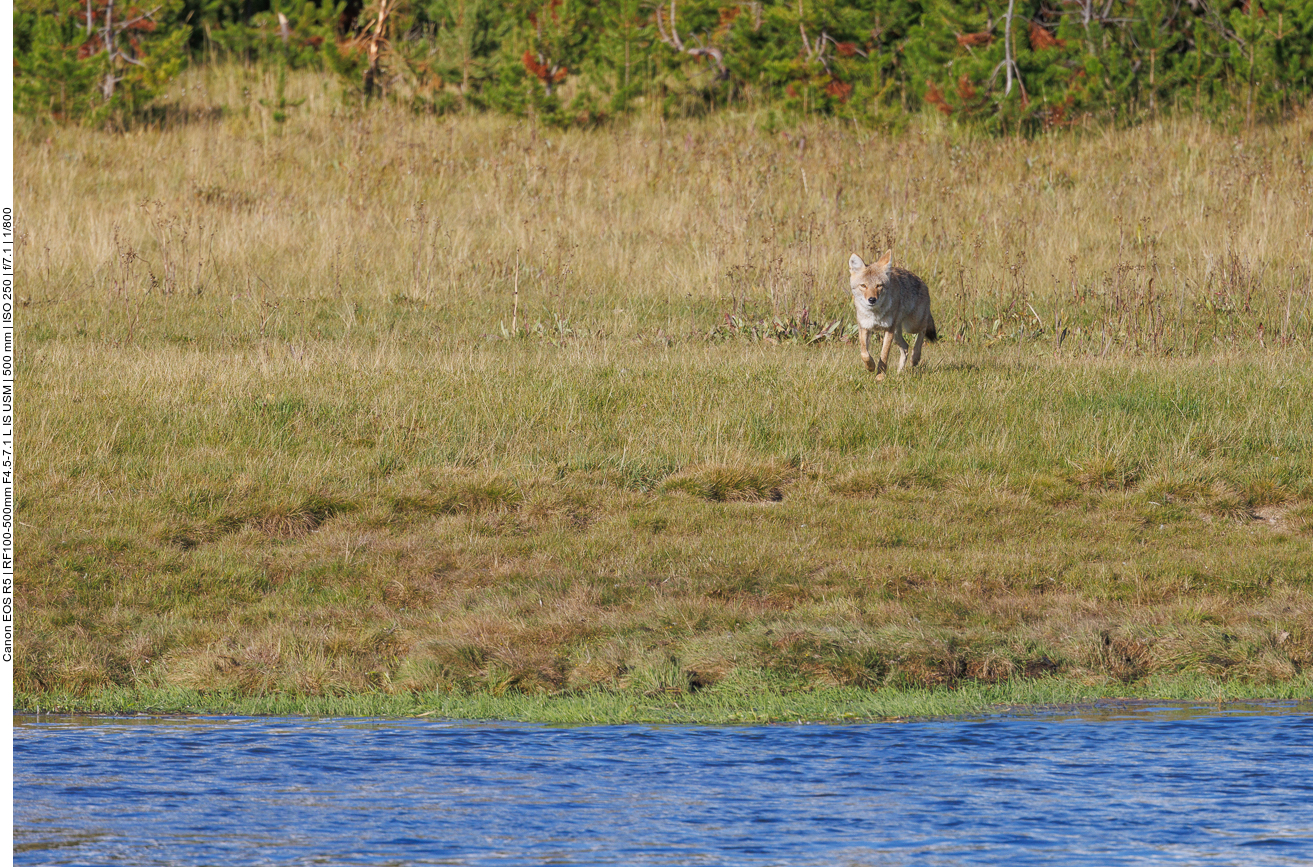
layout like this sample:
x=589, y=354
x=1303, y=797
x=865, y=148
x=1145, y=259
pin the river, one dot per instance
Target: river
x=1120, y=785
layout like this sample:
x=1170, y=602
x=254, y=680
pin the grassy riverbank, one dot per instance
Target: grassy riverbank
x=725, y=704
x=461, y=415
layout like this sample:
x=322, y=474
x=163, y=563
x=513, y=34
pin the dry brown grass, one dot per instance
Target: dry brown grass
x=376, y=227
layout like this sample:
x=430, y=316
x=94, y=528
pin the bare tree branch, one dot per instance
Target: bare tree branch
x=1009, y=64
x=375, y=46
x=108, y=39
x=672, y=39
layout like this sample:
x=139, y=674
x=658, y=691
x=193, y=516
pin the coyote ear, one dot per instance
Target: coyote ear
x=855, y=263
x=884, y=260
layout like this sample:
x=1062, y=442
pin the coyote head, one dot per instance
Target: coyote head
x=868, y=281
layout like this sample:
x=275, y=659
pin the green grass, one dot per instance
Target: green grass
x=728, y=704
x=475, y=528
x=287, y=448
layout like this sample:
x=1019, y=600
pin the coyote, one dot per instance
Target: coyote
x=892, y=299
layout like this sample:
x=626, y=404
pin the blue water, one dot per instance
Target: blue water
x=1129, y=786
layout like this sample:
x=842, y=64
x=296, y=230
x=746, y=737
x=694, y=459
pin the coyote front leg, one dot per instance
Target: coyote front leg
x=864, y=343
x=884, y=354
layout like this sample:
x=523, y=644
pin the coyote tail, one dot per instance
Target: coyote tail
x=930, y=333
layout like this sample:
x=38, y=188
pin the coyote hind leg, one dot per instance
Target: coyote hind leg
x=916, y=348
x=902, y=350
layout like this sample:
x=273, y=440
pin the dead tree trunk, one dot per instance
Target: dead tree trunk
x=375, y=46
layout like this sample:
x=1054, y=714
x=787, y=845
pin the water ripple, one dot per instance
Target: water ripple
x=1142, y=787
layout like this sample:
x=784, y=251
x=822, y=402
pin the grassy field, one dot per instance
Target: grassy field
x=364, y=410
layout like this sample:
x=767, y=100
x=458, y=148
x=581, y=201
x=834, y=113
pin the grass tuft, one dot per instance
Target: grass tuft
x=725, y=483
x=460, y=497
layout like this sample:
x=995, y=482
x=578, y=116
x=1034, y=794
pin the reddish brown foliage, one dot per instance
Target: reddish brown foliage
x=133, y=21
x=845, y=49
x=971, y=40
x=134, y=17
x=841, y=90
x=90, y=47
x=1056, y=115
x=542, y=71
x=1041, y=38
x=551, y=7
x=936, y=98
x=535, y=68
x=965, y=89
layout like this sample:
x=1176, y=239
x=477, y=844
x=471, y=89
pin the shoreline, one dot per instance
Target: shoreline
x=712, y=706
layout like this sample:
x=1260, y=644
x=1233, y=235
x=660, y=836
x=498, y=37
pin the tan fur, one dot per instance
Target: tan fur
x=892, y=300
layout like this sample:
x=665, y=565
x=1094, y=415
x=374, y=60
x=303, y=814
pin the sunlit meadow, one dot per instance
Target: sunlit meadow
x=364, y=403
